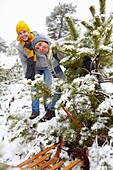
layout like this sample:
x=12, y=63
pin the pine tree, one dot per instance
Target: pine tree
x=12, y=49
x=56, y=24
x=90, y=106
x=3, y=46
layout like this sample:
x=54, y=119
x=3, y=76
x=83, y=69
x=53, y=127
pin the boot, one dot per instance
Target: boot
x=34, y=115
x=48, y=116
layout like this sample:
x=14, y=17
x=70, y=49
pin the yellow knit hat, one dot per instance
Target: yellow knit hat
x=22, y=26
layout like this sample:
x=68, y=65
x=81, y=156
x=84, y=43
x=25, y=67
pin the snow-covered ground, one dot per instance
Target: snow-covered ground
x=16, y=100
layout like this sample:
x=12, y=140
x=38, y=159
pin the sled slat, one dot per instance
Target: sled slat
x=45, y=165
x=72, y=164
x=36, y=162
x=57, y=165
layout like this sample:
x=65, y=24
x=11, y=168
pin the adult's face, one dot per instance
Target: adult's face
x=23, y=35
x=42, y=47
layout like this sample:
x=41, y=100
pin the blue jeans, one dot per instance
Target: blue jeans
x=48, y=80
x=57, y=96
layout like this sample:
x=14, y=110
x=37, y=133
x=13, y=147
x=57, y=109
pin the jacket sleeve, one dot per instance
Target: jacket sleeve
x=57, y=56
x=57, y=71
x=23, y=59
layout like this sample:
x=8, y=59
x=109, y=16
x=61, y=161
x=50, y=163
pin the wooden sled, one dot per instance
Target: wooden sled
x=45, y=160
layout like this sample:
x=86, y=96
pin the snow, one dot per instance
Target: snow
x=17, y=101
x=7, y=62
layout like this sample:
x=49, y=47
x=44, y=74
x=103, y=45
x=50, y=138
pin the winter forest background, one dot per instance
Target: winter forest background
x=88, y=96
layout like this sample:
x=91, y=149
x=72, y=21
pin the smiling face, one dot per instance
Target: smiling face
x=23, y=35
x=42, y=47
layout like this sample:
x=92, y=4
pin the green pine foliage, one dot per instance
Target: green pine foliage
x=26, y=131
x=40, y=89
x=90, y=107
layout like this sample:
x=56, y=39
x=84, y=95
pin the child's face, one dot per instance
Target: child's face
x=42, y=47
x=23, y=35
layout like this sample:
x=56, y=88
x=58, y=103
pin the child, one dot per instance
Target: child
x=33, y=63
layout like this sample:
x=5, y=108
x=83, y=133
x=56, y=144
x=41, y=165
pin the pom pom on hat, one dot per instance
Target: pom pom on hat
x=22, y=26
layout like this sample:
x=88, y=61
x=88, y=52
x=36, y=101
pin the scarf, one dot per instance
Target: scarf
x=31, y=60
